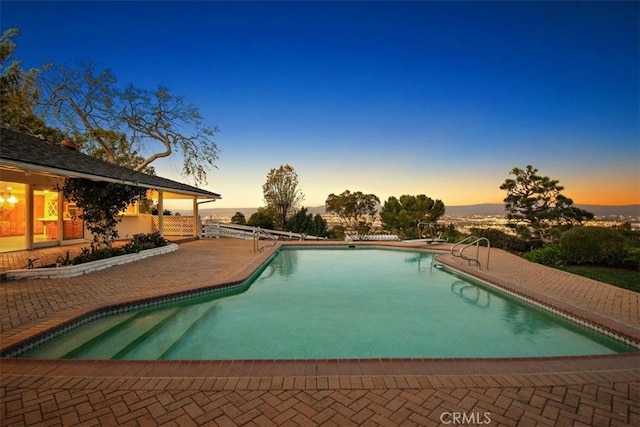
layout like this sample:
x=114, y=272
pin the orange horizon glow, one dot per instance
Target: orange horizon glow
x=604, y=187
x=619, y=200
x=578, y=199
x=601, y=187
x=605, y=193
x=592, y=193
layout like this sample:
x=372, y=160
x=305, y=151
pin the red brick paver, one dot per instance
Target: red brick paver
x=554, y=391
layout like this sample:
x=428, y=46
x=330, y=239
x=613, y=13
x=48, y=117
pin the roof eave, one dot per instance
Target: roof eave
x=65, y=173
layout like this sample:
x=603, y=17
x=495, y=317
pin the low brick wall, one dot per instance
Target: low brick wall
x=88, y=267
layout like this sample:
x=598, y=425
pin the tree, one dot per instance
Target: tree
x=263, y=218
x=320, y=227
x=402, y=215
x=353, y=209
x=305, y=223
x=281, y=194
x=238, y=218
x=337, y=232
x=120, y=124
x=536, y=205
x=165, y=212
x=19, y=93
x=118, y=149
x=101, y=203
x=301, y=222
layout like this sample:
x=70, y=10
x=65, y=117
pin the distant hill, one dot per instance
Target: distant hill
x=483, y=209
x=486, y=209
x=247, y=212
x=600, y=210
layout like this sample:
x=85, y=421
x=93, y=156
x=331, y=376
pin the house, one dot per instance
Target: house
x=34, y=214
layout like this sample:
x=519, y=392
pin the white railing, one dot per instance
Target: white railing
x=175, y=225
x=217, y=230
x=373, y=237
x=211, y=229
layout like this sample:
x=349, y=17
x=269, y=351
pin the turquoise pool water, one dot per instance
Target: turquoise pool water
x=334, y=304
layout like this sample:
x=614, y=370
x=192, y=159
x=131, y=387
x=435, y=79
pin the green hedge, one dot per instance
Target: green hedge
x=593, y=245
x=632, y=259
x=138, y=243
x=500, y=239
x=551, y=255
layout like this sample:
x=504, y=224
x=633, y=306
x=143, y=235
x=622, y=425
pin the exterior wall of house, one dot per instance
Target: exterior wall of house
x=33, y=213
x=37, y=215
x=135, y=224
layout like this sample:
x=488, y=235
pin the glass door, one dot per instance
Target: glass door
x=46, y=218
x=13, y=216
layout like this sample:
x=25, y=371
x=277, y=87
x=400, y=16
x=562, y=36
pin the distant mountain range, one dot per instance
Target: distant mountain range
x=483, y=209
x=486, y=209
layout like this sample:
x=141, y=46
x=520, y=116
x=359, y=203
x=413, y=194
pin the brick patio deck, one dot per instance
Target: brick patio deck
x=552, y=391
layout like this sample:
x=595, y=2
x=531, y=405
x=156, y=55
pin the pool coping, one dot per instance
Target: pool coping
x=598, y=323
x=319, y=367
x=322, y=367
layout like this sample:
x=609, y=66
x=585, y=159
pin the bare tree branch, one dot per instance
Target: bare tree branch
x=98, y=113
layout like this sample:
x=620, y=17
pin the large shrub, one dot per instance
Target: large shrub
x=502, y=240
x=551, y=255
x=142, y=241
x=593, y=245
x=138, y=243
x=632, y=258
x=338, y=232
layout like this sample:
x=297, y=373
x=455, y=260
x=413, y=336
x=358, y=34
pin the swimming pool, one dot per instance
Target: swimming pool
x=336, y=304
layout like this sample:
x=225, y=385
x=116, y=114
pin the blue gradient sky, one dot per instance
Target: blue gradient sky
x=440, y=98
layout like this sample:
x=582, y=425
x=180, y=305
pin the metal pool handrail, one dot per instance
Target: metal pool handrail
x=474, y=241
x=262, y=233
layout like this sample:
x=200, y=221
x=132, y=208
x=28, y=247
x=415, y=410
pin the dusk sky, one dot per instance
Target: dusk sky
x=390, y=98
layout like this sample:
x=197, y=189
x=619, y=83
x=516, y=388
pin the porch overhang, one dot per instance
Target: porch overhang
x=53, y=172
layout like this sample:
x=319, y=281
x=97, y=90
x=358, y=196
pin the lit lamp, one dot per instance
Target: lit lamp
x=10, y=198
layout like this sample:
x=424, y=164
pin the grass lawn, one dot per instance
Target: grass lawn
x=627, y=279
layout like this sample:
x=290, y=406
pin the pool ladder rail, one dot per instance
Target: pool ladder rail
x=471, y=241
x=259, y=233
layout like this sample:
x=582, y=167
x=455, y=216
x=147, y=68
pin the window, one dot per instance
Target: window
x=72, y=225
x=132, y=210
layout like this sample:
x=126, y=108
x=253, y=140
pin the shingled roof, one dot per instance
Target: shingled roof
x=26, y=152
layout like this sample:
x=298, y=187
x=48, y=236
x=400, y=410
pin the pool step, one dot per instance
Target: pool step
x=120, y=337
x=154, y=346
x=65, y=343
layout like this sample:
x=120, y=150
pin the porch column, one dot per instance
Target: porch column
x=30, y=215
x=196, y=232
x=160, y=212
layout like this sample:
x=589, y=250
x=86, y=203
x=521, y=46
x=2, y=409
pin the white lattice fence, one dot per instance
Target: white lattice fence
x=175, y=225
